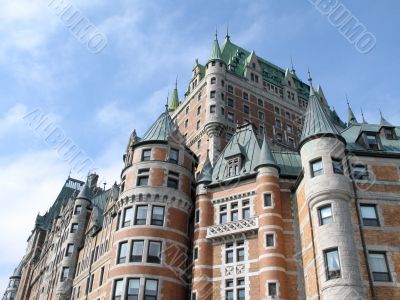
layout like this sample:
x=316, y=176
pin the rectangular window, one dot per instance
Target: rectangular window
x=278, y=123
x=245, y=96
x=287, y=115
x=118, y=288
x=194, y=296
x=337, y=166
x=360, y=172
x=231, y=103
x=267, y=200
x=197, y=216
x=212, y=109
x=101, y=276
x=372, y=142
x=230, y=89
x=157, y=215
x=229, y=256
x=261, y=115
x=199, y=110
x=154, y=252
x=64, y=274
x=195, y=253
x=151, y=289
x=332, y=263
x=172, y=183
x=269, y=240
x=316, y=168
x=70, y=250
x=272, y=290
x=291, y=142
x=146, y=154
x=122, y=252
x=260, y=102
x=212, y=94
x=198, y=124
x=369, y=215
x=390, y=134
x=133, y=288
x=127, y=217
x=325, y=215
x=246, y=109
x=77, y=210
x=137, y=251
x=229, y=295
x=91, y=283
x=379, y=266
x=246, y=212
x=141, y=215
x=231, y=117
x=240, y=255
x=174, y=156
x=143, y=180
x=289, y=128
x=74, y=227
x=241, y=295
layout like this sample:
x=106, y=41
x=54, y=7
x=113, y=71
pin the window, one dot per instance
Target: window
x=379, y=266
x=337, y=166
x=230, y=89
x=151, y=289
x=101, y=276
x=186, y=123
x=187, y=109
x=78, y=209
x=198, y=124
x=287, y=114
x=372, y=141
x=117, y=293
x=146, y=154
x=141, y=215
x=332, y=263
x=212, y=94
x=231, y=116
x=261, y=115
x=157, y=215
x=197, y=215
x=240, y=254
x=91, y=283
x=246, y=109
x=172, y=183
x=127, y=217
x=70, y=250
x=137, y=251
x=279, y=137
x=389, y=133
x=325, y=215
x=267, y=200
x=143, y=180
x=246, y=209
x=316, y=168
x=222, y=214
x=195, y=253
x=278, y=123
x=231, y=103
x=199, y=97
x=64, y=274
x=232, y=168
x=222, y=83
x=74, y=227
x=198, y=144
x=229, y=256
x=122, y=252
x=133, y=288
x=212, y=109
x=174, y=156
x=199, y=110
x=289, y=128
x=194, y=296
x=154, y=252
x=213, y=80
x=234, y=212
x=245, y=96
x=222, y=111
x=360, y=172
x=272, y=289
x=234, y=252
x=369, y=215
x=277, y=110
x=269, y=240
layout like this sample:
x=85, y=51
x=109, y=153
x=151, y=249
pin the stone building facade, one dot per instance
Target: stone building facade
x=251, y=187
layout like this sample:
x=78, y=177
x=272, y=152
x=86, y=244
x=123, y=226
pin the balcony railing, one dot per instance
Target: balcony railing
x=241, y=227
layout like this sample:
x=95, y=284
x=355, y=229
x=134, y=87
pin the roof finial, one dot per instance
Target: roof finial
x=309, y=77
x=227, y=31
x=292, y=65
x=216, y=32
x=380, y=112
x=347, y=100
x=166, y=104
x=176, y=82
x=363, y=118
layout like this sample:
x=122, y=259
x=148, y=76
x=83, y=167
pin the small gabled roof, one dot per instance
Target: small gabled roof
x=317, y=121
x=266, y=159
x=215, y=50
x=206, y=173
x=161, y=129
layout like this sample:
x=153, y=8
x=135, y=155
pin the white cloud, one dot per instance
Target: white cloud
x=12, y=118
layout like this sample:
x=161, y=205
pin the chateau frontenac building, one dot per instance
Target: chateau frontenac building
x=250, y=187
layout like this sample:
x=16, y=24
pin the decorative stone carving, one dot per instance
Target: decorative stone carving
x=221, y=231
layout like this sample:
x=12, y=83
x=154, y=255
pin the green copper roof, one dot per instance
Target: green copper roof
x=384, y=122
x=351, y=117
x=161, y=129
x=174, y=102
x=206, y=173
x=215, y=51
x=317, y=122
x=266, y=159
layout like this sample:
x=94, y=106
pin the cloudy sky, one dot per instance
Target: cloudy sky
x=96, y=100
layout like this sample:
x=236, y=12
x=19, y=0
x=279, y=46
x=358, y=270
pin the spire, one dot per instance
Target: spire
x=293, y=71
x=266, y=158
x=206, y=173
x=317, y=122
x=351, y=117
x=227, y=32
x=216, y=50
x=363, y=119
x=310, y=79
x=174, y=103
x=384, y=122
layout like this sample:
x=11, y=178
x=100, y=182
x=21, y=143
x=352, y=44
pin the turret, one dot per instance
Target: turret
x=174, y=102
x=328, y=196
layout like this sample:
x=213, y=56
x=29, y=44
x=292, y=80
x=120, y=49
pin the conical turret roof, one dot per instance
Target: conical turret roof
x=351, y=117
x=215, y=50
x=317, y=122
x=266, y=158
x=174, y=102
x=85, y=192
x=161, y=129
x=206, y=173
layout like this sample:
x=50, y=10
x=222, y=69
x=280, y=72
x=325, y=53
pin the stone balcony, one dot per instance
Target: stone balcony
x=233, y=230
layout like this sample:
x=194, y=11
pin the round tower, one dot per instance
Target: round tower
x=151, y=241
x=215, y=102
x=76, y=233
x=271, y=254
x=328, y=196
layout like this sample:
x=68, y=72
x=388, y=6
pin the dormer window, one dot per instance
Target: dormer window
x=233, y=167
x=372, y=141
x=389, y=133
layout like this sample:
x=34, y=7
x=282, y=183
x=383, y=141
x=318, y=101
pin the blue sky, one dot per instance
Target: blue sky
x=97, y=99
